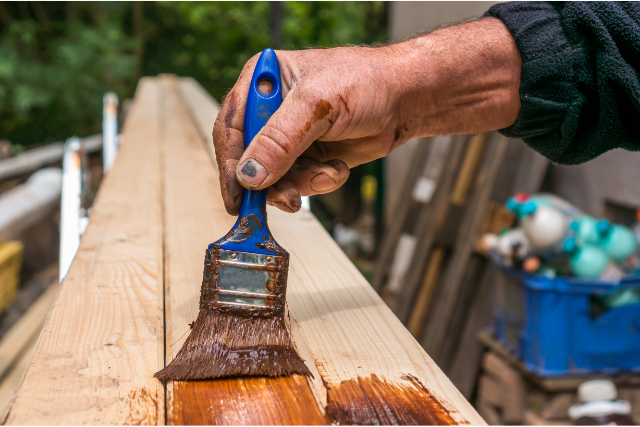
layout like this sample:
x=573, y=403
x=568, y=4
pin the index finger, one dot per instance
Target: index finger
x=228, y=138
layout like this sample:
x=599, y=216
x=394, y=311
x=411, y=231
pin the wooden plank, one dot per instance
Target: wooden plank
x=444, y=311
x=25, y=330
x=432, y=217
x=359, y=346
x=466, y=363
x=194, y=217
x=17, y=345
x=425, y=294
x=370, y=367
x=100, y=346
x=523, y=169
x=11, y=381
x=203, y=109
x=403, y=208
x=447, y=233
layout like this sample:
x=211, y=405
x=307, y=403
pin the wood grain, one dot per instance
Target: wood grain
x=203, y=109
x=95, y=360
x=435, y=334
x=25, y=330
x=341, y=322
x=11, y=381
x=156, y=212
x=430, y=224
x=194, y=217
x=246, y=401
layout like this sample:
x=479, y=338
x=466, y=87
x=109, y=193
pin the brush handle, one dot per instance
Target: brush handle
x=258, y=110
x=250, y=232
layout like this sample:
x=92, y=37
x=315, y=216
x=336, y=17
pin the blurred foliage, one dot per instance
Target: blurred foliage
x=58, y=58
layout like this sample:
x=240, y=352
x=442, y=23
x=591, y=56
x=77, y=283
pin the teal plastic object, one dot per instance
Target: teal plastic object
x=590, y=230
x=619, y=243
x=588, y=261
x=522, y=204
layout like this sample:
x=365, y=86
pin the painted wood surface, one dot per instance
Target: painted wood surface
x=100, y=346
x=139, y=268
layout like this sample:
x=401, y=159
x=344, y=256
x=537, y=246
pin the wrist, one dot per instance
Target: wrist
x=458, y=80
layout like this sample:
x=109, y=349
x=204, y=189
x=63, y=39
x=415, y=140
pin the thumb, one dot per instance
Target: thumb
x=298, y=122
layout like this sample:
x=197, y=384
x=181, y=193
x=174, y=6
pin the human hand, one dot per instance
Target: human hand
x=346, y=106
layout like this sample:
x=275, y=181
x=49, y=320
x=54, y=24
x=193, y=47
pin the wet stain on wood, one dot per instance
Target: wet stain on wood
x=377, y=401
x=245, y=401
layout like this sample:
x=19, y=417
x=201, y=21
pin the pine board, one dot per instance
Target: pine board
x=101, y=343
x=25, y=330
x=135, y=283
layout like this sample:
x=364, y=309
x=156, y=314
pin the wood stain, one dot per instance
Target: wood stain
x=289, y=400
x=245, y=401
x=377, y=401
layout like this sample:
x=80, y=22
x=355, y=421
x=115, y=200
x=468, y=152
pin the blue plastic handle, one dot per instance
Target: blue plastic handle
x=250, y=232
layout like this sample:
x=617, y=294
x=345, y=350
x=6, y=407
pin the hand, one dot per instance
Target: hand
x=346, y=106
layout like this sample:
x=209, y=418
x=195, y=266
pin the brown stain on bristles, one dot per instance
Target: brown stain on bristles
x=226, y=345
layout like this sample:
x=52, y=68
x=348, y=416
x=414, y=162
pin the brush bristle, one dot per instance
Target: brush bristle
x=225, y=345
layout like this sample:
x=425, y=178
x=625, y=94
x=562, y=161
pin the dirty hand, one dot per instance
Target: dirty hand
x=346, y=106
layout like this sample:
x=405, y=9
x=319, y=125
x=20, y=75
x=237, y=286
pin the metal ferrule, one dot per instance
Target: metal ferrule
x=236, y=281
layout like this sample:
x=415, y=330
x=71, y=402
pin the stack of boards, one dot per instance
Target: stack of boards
x=123, y=310
x=430, y=269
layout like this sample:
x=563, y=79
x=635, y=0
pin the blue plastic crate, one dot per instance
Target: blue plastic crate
x=554, y=327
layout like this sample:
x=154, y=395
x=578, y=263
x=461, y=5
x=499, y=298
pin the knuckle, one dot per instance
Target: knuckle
x=275, y=141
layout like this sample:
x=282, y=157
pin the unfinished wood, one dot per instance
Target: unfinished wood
x=352, y=335
x=394, y=228
x=425, y=294
x=25, y=330
x=195, y=217
x=365, y=357
x=204, y=110
x=11, y=381
x=466, y=363
x=429, y=226
x=472, y=158
x=457, y=200
x=522, y=170
x=441, y=316
x=95, y=360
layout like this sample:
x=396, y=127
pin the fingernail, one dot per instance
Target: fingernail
x=283, y=207
x=321, y=182
x=340, y=166
x=252, y=173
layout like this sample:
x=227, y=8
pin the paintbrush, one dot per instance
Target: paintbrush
x=241, y=328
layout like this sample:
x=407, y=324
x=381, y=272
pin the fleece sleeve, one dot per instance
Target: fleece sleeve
x=580, y=80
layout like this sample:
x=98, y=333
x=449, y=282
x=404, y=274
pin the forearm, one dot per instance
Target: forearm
x=461, y=79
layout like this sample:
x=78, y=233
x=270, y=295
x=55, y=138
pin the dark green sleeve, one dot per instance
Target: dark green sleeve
x=580, y=85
